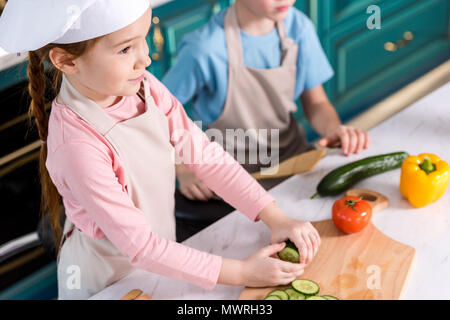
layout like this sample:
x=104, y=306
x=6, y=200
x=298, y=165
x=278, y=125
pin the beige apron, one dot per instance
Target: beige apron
x=260, y=99
x=143, y=145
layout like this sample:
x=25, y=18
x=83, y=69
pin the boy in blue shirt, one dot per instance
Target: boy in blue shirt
x=245, y=69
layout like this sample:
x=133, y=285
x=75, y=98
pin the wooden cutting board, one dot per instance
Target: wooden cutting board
x=136, y=294
x=363, y=266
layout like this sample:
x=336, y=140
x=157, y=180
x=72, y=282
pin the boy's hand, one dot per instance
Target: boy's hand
x=352, y=140
x=191, y=187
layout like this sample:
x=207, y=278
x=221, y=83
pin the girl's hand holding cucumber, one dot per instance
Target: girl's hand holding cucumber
x=261, y=269
x=264, y=268
x=301, y=233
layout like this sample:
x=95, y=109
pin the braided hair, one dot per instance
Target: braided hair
x=51, y=200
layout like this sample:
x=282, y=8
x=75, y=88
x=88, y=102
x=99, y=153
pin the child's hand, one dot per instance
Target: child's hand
x=352, y=140
x=191, y=187
x=301, y=233
x=261, y=270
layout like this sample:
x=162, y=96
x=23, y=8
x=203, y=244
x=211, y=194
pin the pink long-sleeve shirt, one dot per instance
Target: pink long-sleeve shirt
x=90, y=178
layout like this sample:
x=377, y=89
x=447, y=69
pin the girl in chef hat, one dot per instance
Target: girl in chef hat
x=108, y=154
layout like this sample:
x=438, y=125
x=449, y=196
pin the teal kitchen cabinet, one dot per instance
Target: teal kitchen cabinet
x=371, y=64
x=170, y=23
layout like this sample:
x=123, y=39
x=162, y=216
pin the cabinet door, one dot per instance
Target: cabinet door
x=171, y=22
x=340, y=10
x=303, y=5
x=344, y=18
x=370, y=64
x=336, y=12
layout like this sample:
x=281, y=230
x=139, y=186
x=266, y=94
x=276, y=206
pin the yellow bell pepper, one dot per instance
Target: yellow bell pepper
x=424, y=179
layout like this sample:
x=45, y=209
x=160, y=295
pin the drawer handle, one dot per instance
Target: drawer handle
x=408, y=36
x=158, y=40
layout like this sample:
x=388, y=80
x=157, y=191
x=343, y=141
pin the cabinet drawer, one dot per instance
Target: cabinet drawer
x=371, y=51
x=336, y=12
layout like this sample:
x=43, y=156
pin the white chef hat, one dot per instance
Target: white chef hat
x=27, y=25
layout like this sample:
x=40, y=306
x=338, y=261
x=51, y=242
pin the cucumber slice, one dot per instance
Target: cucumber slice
x=279, y=293
x=328, y=297
x=306, y=287
x=316, y=298
x=294, y=295
x=272, y=298
x=289, y=253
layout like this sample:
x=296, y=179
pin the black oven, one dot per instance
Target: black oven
x=21, y=250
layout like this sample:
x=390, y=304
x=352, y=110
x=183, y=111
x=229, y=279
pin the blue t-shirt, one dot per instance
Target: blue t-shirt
x=201, y=70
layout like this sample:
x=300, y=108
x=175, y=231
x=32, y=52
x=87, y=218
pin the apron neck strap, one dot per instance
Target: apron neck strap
x=84, y=107
x=233, y=36
x=281, y=31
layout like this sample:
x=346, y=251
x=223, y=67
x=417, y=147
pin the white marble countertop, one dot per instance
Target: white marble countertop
x=422, y=127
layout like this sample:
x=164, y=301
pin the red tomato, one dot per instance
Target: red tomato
x=351, y=214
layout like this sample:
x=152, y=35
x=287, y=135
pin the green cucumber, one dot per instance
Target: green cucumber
x=280, y=294
x=294, y=295
x=289, y=253
x=306, y=287
x=328, y=297
x=344, y=177
x=272, y=298
x=316, y=298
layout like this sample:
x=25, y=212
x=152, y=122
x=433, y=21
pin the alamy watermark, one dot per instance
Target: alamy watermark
x=374, y=280
x=251, y=146
x=73, y=281
x=374, y=21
